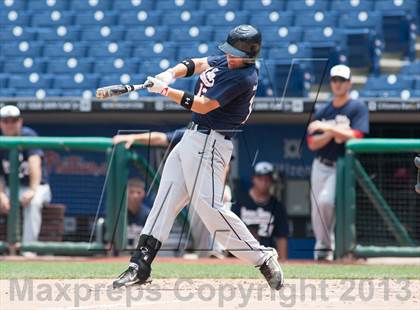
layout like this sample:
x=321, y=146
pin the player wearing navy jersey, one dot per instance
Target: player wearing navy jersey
x=335, y=123
x=194, y=170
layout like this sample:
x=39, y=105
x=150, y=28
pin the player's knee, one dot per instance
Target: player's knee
x=325, y=203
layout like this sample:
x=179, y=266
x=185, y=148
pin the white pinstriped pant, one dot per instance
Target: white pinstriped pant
x=194, y=172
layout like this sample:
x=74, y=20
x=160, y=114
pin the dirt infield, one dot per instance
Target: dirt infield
x=210, y=294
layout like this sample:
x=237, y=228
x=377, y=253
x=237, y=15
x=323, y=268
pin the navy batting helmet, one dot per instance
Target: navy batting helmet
x=242, y=41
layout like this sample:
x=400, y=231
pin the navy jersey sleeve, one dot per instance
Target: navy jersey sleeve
x=225, y=91
x=28, y=132
x=213, y=61
x=175, y=136
x=360, y=119
x=281, y=226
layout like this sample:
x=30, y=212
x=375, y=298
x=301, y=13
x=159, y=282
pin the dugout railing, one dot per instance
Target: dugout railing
x=110, y=231
x=377, y=208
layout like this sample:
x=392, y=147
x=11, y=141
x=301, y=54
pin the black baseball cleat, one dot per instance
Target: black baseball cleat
x=131, y=277
x=272, y=272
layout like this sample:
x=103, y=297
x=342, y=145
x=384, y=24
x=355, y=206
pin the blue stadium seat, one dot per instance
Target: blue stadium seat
x=17, y=33
x=14, y=18
x=16, y=5
x=316, y=19
x=363, y=19
x=81, y=5
x=288, y=52
x=61, y=33
x=52, y=19
x=38, y=93
x=396, y=5
x=31, y=81
x=170, y=5
x=379, y=94
x=153, y=50
x=307, y=5
x=147, y=33
x=254, y=5
x=110, y=49
x=7, y=92
x=275, y=35
x=221, y=5
x=271, y=18
x=21, y=49
x=103, y=33
x=326, y=34
x=111, y=79
x=227, y=19
x=70, y=65
x=76, y=81
x=96, y=18
x=117, y=66
x=183, y=18
x=154, y=67
x=197, y=50
x=345, y=6
x=323, y=56
x=389, y=83
x=411, y=69
x=140, y=18
x=65, y=49
x=24, y=65
x=4, y=77
x=202, y=34
x=130, y=5
x=43, y=5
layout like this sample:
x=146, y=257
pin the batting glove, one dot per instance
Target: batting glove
x=166, y=76
x=158, y=87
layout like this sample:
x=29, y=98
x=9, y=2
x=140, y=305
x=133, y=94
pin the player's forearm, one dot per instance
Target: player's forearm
x=316, y=142
x=180, y=70
x=345, y=133
x=201, y=104
x=282, y=248
x=35, y=171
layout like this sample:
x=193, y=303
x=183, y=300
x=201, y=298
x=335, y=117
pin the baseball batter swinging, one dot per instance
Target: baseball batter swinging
x=193, y=173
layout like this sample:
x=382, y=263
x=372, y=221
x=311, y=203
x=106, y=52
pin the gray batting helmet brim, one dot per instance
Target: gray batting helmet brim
x=229, y=49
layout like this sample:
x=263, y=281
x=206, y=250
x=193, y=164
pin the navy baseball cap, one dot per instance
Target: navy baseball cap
x=263, y=168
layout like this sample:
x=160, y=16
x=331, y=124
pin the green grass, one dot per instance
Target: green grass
x=76, y=270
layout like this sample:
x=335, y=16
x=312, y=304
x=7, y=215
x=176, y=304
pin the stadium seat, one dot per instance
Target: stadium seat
x=117, y=66
x=21, y=49
x=387, y=83
x=70, y=65
x=10, y=18
x=396, y=5
x=361, y=20
x=52, y=18
x=345, y=6
x=76, y=81
x=151, y=50
x=271, y=18
x=43, y=5
x=275, y=35
x=111, y=79
x=183, y=18
x=202, y=34
x=227, y=19
x=316, y=19
x=82, y=5
x=221, y=5
x=171, y=5
x=4, y=77
x=140, y=18
x=289, y=52
x=29, y=81
x=92, y=18
x=103, y=33
x=147, y=33
x=39, y=93
x=307, y=5
x=17, y=33
x=197, y=50
x=61, y=33
x=272, y=5
x=326, y=34
x=411, y=69
x=323, y=56
x=16, y=5
x=153, y=67
x=25, y=66
x=65, y=49
x=110, y=49
x=130, y=5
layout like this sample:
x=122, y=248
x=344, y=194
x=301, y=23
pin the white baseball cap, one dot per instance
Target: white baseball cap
x=263, y=168
x=341, y=71
x=9, y=111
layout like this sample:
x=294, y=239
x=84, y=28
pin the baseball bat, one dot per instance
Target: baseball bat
x=417, y=163
x=118, y=90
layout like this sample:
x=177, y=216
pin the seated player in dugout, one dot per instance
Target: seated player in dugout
x=34, y=190
x=137, y=210
x=334, y=124
x=202, y=239
x=262, y=213
x=194, y=170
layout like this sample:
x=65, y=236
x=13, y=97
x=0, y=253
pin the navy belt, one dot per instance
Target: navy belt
x=326, y=162
x=204, y=129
